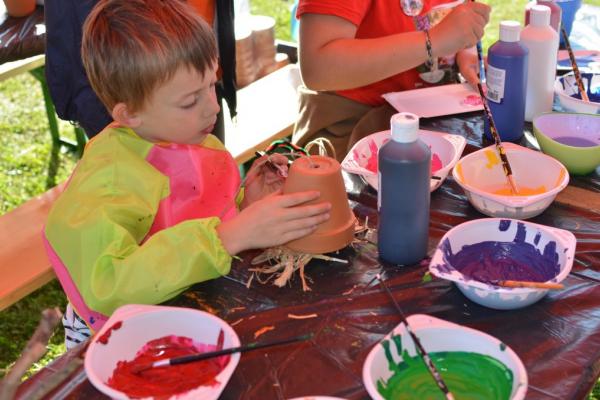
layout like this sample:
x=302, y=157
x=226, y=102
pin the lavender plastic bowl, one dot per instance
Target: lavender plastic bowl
x=573, y=139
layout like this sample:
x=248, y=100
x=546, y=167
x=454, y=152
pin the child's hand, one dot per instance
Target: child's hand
x=263, y=179
x=273, y=221
x=460, y=29
x=468, y=65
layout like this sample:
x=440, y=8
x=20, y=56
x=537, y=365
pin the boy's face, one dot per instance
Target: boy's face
x=182, y=110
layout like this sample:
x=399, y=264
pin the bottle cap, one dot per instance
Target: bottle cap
x=510, y=31
x=405, y=127
x=540, y=15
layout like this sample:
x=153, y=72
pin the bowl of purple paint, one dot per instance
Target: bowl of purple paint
x=479, y=255
x=573, y=139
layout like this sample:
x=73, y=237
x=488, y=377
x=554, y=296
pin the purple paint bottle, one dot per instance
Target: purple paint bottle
x=507, y=83
x=555, y=13
x=403, y=195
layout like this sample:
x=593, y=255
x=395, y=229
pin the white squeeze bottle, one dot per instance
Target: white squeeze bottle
x=542, y=42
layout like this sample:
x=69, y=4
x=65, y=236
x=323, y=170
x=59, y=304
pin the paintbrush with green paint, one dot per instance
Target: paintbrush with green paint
x=421, y=350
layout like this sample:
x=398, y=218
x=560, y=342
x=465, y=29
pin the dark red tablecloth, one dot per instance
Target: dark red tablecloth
x=21, y=37
x=558, y=338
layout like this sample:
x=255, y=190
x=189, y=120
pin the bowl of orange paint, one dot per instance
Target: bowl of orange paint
x=138, y=334
x=446, y=150
x=538, y=177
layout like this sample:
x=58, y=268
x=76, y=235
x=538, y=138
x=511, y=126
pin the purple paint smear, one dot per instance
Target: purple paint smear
x=490, y=261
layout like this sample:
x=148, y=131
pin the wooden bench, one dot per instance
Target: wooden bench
x=267, y=111
x=24, y=266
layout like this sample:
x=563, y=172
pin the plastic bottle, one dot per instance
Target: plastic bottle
x=507, y=83
x=555, y=13
x=403, y=196
x=542, y=42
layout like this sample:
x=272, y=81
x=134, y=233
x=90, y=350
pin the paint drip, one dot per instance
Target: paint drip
x=491, y=261
x=164, y=382
x=468, y=376
x=372, y=159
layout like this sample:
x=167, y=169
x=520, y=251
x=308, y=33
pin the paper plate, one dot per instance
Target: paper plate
x=436, y=101
x=587, y=60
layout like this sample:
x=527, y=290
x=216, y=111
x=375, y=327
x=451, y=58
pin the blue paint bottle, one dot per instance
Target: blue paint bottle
x=507, y=83
x=403, y=194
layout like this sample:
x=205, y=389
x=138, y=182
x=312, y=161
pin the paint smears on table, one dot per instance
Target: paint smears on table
x=468, y=376
x=372, y=160
x=491, y=261
x=163, y=382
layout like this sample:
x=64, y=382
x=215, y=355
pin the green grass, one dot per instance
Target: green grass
x=25, y=155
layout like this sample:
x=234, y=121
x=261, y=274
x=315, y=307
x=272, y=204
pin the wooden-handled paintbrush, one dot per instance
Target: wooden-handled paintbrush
x=526, y=284
x=430, y=367
x=212, y=354
x=578, y=79
x=488, y=113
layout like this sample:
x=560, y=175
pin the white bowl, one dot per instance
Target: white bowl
x=141, y=324
x=501, y=230
x=480, y=172
x=447, y=147
x=437, y=335
x=565, y=88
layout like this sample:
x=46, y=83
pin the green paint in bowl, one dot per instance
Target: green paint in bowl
x=469, y=376
x=573, y=139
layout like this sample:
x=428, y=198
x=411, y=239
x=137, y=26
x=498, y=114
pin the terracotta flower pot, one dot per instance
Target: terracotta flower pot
x=19, y=8
x=325, y=175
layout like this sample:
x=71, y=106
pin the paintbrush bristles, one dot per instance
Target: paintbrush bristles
x=578, y=79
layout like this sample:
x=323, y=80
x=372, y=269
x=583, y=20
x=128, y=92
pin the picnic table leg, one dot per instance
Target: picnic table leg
x=57, y=140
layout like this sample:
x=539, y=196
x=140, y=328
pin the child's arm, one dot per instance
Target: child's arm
x=98, y=238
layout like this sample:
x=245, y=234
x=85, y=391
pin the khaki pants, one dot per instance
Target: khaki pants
x=338, y=119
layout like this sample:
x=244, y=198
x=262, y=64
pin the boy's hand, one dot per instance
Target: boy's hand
x=263, y=179
x=273, y=221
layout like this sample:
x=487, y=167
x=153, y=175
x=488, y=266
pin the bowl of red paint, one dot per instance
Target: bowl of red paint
x=473, y=364
x=478, y=254
x=573, y=139
x=538, y=177
x=138, y=334
x=446, y=150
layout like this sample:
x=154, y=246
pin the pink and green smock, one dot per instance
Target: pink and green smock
x=136, y=221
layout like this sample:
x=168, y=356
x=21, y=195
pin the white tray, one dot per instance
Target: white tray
x=435, y=101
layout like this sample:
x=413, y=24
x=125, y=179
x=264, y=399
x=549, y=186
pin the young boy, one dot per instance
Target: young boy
x=152, y=207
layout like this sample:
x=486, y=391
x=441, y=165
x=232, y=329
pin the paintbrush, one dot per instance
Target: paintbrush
x=525, y=284
x=488, y=113
x=578, y=79
x=212, y=354
x=428, y=363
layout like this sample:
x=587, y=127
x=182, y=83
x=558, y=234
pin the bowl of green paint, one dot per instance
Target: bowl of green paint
x=473, y=364
x=573, y=139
